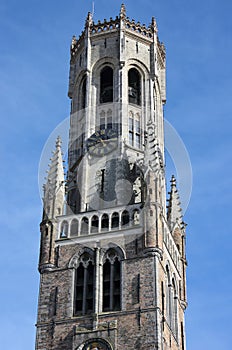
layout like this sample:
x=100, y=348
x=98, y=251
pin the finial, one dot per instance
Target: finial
x=173, y=181
x=58, y=141
x=123, y=11
x=74, y=41
x=154, y=25
x=89, y=19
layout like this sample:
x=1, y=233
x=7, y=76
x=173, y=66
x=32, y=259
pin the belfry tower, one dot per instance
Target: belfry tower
x=112, y=256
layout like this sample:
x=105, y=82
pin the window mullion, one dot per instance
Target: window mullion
x=84, y=291
x=111, y=286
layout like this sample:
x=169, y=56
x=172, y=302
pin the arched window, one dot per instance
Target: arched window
x=84, y=283
x=64, y=229
x=106, y=85
x=94, y=224
x=111, y=281
x=84, y=226
x=74, y=228
x=115, y=220
x=134, y=86
x=125, y=218
x=83, y=93
x=105, y=222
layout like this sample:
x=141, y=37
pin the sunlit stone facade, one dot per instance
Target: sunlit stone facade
x=112, y=257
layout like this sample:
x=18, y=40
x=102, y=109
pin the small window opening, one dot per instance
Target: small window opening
x=106, y=85
x=74, y=228
x=83, y=93
x=115, y=220
x=134, y=87
x=84, y=226
x=105, y=222
x=125, y=218
x=94, y=224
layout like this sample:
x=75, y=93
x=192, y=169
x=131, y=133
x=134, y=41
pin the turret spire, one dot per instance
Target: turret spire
x=154, y=25
x=123, y=11
x=89, y=19
x=174, y=214
x=54, y=189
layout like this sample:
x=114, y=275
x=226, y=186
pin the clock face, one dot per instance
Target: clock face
x=102, y=142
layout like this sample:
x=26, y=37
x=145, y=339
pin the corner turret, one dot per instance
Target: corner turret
x=174, y=213
x=54, y=189
x=53, y=203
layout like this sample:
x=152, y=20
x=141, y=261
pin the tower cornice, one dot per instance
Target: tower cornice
x=121, y=22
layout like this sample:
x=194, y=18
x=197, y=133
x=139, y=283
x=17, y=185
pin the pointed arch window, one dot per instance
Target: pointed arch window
x=106, y=85
x=105, y=222
x=115, y=220
x=84, y=286
x=94, y=224
x=112, y=281
x=125, y=218
x=175, y=308
x=84, y=226
x=74, y=228
x=134, y=87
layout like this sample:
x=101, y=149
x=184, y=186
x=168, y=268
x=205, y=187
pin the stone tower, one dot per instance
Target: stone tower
x=112, y=258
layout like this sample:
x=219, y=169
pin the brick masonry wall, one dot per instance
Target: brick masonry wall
x=136, y=323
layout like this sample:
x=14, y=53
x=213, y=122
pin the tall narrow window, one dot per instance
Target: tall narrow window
x=102, y=180
x=74, y=228
x=111, y=281
x=162, y=296
x=105, y=222
x=84, y=295
x=84, y=226
x=106, y=85
x=134, y=86
x=125, y=218
x=83, y=93
x=134, y=130
x=94, y=224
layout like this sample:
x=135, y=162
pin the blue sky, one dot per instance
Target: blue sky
x=34, y=66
